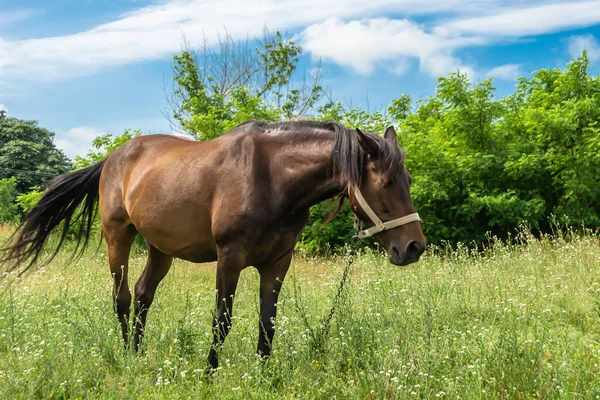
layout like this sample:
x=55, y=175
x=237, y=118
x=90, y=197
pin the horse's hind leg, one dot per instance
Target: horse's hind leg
x=157, y=266
x=119, y=237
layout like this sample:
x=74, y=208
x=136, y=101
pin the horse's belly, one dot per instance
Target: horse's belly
x=189, y=239
x=194, y=251
x=197, y=254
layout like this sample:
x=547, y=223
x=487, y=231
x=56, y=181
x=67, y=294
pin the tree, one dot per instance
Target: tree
x=27, y=152
x=26, y=201
x=458, y=154
x=104, y=145
x=216, y=90
x=8, y=208
x=558, y=113
x=482, y=164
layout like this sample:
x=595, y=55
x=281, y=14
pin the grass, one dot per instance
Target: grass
x=516, y=321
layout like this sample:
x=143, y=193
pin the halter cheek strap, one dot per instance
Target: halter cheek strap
x=380, y=226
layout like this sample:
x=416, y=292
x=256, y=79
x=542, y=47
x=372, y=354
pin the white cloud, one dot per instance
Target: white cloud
x=507, y=72
x=401, y=67
x=183, y=135
x=3, y=107
x=584, y=42
x=155, y=32
x=364, y=44
x=77, y=141
x=361, y=45
x=352, y=33
x=527, y=21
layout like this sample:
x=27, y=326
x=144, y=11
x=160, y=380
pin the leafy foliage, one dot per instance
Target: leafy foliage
x=26, y=201
x=558, y=112
x=8, y=209
x=486, y=165
x=104, y=145
x=216, y=91
x=28, y=154
x=457, y=152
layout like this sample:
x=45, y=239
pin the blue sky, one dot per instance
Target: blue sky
x=85, y=67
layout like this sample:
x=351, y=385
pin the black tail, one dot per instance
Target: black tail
x=70, y=199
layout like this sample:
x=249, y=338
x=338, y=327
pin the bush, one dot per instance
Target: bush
x=486, y=165
x=26, y=201
x=8, y=208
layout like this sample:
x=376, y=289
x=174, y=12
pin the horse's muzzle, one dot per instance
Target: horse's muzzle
x=409, y=255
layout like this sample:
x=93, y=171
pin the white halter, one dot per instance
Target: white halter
x=380, y=226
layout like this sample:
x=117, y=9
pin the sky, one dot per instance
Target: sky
x=82, y=68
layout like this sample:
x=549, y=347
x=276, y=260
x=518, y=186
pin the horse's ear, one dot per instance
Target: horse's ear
x=368, y=144
x=390, y=134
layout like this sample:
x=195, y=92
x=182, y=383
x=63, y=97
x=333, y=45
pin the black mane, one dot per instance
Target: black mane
x=347, y=157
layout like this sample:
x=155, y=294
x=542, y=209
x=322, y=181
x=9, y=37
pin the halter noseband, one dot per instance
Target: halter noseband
x=380, y=226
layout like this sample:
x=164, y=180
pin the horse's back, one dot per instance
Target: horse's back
x=139, y=160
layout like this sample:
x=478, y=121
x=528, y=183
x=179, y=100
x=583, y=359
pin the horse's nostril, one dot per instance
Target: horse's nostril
x=414, y=249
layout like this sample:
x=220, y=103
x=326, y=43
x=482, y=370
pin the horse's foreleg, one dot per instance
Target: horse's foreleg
x=230, y=262
x=271, y=279
x=157, y=267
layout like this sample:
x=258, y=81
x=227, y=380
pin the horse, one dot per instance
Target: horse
x=241, y=200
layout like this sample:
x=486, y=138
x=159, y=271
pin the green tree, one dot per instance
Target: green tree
x=557, y=113
x=457, y=154
x=26, y=201
x=28, y=153
x=216, y=90
x=482, y=164
x=486, y=165
x=104, y=145
x=8, y=208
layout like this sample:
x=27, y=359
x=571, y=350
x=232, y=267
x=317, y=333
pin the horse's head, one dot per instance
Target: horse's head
x=382, y=199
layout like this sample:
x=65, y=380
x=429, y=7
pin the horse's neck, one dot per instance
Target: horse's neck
x=306, y=175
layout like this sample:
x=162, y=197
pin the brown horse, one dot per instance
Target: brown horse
x=241, y=200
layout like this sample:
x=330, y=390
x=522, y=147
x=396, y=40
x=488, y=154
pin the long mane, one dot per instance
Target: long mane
x=347, y=157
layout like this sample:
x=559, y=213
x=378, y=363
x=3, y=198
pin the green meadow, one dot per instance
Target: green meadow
x=518, y=321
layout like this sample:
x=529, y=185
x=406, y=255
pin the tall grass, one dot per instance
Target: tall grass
x=515, y=321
